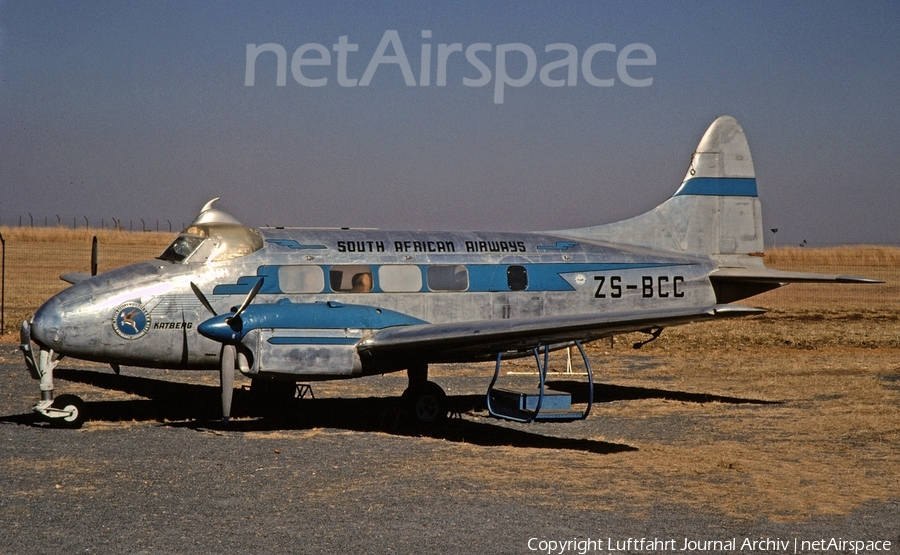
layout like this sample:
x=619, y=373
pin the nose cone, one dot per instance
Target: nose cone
x=47, y=325
x=221, y=330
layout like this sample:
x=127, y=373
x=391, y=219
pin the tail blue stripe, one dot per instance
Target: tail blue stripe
x=719, y=187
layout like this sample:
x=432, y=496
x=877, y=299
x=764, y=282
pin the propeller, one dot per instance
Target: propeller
x=203, y=300
x=245, y=304
x=226, y=379
x=229, y=350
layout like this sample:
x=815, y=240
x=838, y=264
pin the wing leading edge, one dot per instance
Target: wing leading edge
x=482, y=340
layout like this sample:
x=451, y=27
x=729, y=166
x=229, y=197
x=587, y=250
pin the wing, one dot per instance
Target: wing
x=482, y=340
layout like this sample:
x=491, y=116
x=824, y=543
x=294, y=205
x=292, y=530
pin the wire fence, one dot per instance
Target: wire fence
x=33, y=260
x=71, y=221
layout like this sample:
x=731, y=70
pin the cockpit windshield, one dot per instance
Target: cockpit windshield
x=212, y=242
x=181, y=248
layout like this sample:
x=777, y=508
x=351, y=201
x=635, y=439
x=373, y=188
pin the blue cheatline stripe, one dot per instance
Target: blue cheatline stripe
x=482, y=277
x=719, y=187
x=543, y=277
x=313, y=340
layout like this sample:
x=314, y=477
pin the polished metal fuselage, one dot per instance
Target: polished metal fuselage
x=147, y=315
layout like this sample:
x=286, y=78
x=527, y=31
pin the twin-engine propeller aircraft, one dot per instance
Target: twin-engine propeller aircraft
x=285, y=305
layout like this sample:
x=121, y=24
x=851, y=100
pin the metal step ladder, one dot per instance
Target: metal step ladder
x=541, y=404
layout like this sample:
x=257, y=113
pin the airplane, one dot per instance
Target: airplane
x=286, y=305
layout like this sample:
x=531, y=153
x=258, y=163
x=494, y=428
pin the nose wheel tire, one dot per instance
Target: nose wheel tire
x=67, y=411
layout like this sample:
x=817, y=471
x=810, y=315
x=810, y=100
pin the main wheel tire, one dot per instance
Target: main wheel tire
x=273, y=391
x=426, y=405
x=271, y=397
x=73, y=405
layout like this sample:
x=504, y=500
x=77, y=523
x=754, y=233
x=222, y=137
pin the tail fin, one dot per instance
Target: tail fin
x=716, y=210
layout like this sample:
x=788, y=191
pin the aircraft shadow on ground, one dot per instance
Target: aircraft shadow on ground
x=607, y=393
x=198, y=406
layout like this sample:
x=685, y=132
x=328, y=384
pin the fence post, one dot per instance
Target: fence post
x=2, y=285
x=94, y=256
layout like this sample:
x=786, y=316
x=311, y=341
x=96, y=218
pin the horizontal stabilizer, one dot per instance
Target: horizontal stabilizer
x=765, y=275
x=74, y=277
x=732, y=284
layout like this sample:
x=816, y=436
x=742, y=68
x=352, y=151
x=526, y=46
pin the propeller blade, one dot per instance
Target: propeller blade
x=226, y=376
x=247, y=301
x=202, y=297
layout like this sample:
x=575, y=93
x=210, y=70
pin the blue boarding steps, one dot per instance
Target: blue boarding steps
x=537, y=405
x=522, y=404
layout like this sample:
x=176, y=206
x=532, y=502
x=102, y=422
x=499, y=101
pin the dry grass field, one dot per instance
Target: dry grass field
x=785, y=416
x=36, y=257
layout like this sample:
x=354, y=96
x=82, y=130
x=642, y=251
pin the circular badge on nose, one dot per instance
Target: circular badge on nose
x=131, y=321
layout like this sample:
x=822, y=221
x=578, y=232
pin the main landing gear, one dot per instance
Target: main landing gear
x=65, y=411
x=424, y=402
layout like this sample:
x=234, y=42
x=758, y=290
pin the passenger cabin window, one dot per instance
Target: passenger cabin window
x=517, y=278
x=350, y=279
x=400, y=279
x=448, y=277
x=301, y=279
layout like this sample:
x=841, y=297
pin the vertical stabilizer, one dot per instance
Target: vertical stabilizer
x=715, y=211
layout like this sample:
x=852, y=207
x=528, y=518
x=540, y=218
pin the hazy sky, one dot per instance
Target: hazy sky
x=141, y=110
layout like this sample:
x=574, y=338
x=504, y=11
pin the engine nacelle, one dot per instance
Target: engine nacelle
x=301, y=353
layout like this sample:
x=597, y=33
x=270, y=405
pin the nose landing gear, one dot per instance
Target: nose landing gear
x=65, y=411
